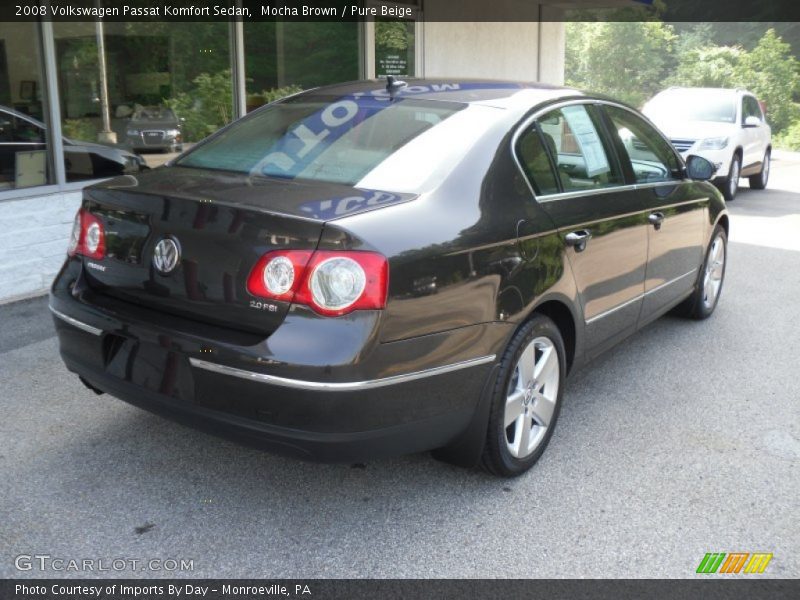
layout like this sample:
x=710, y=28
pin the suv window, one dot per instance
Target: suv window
x=580, y=154
x=750, y=108
x=651, y=156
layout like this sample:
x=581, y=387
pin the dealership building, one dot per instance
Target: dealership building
x=75, y=97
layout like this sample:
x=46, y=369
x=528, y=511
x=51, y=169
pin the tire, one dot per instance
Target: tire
x=539, y=345
x=760, y=181
x=731, y=184
x=698, y=306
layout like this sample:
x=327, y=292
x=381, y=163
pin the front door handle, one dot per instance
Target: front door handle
x=578, y=239
x=656, y=219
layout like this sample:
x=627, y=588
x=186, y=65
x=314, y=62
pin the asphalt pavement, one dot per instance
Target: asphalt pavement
x=683, y=440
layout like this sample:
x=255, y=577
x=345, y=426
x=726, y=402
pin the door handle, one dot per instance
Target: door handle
x=656, y=219
x=578, y=239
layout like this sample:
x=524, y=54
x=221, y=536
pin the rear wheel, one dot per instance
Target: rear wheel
x=526, y=398
x=704, y=300
x=759, y=182
x=731, y=184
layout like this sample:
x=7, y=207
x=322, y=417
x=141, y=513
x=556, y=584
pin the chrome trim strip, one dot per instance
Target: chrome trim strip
x=670, y=282
x=334, y=386
x=640, y=297
x=75, y=322
x=615, y=309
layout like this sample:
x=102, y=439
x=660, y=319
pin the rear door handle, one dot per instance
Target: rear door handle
x=656, y=219
x=578, y=239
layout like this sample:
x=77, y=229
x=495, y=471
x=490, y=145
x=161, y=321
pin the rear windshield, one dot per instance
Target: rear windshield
x=338, y=140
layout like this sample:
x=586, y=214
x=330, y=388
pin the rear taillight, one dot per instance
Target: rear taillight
x=331, y=282
x=88, y=237
x=277, y=275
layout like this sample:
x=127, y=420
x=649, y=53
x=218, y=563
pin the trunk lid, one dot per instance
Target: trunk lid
x=221, y=223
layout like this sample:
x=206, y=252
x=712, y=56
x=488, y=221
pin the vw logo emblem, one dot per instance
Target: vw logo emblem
x=166, y=255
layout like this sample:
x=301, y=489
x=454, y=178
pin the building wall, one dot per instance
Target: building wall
x=473, y=49
x=33, y=242
x=527, y=50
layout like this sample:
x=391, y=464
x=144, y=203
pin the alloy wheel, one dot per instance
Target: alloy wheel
x=715, y=269
x=531, y=398
x=733, y=184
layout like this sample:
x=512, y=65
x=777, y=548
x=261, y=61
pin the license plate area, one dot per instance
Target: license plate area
x=155, y=367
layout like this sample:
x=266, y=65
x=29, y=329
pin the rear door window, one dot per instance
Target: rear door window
x=536, y=161
x=581, y=155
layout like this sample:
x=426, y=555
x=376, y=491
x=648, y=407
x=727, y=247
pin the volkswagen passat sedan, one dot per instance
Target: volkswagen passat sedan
x=360, y=271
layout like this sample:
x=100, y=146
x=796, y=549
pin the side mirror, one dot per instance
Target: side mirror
x=752, y=122
x=700, y=169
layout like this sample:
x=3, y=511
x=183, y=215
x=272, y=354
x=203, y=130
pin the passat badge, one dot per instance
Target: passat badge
x=166, y=255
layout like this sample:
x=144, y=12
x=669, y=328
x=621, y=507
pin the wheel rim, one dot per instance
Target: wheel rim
x=765, y=172
x=531, y=397
x=733, y=184
x=715, y=270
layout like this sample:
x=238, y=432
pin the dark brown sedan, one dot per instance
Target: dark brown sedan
x=369, y=269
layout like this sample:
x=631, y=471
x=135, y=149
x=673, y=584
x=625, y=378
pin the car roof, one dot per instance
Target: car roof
x=491, y=92
x=713, y=90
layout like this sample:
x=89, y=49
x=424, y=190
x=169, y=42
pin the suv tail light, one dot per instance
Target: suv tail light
x=88, y=237
x=331, y=282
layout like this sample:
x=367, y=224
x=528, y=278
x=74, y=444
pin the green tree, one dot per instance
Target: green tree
x=773, y=74
x=205, y=108
x=627, y=60
x=708, y=66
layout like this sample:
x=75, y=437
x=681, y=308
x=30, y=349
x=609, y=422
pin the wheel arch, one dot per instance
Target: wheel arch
x=558, y=310
x=724, y=222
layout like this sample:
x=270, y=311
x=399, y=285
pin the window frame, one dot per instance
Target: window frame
x=598, y=117
x=630, y=181
x=680, y=175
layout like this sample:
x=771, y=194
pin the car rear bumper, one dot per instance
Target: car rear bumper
x=250, y=394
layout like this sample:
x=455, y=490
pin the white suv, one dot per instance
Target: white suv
x=724, y=126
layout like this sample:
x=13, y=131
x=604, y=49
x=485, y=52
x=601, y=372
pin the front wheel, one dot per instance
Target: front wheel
x=731, y=184
x=759, y=182
x=526, y=398
x=707, y=290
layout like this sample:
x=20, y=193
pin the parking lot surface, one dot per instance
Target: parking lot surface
x=683, y=440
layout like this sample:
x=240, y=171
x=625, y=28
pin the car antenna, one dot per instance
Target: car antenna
x=393, y=86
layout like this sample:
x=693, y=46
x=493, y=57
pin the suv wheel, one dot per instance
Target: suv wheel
x=759, y=182
x=731, y=184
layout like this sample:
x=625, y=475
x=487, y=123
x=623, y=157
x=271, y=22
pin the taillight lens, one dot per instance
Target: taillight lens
x=88, y=237
x=331, y=282
x=277, y=275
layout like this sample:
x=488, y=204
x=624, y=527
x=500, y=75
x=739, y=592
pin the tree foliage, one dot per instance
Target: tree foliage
x=627, y=60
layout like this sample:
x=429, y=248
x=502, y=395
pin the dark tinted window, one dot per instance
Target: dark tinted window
x=533, y=156
x=583, y=159
x=751, y=109
x=651, y=156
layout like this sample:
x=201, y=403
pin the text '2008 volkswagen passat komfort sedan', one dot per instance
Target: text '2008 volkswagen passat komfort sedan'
x=382, y=268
